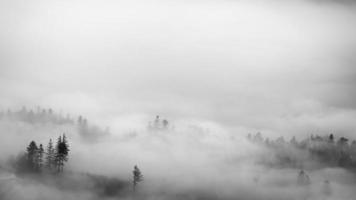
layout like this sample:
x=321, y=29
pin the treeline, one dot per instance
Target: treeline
x=90, y=131
x=38, y=160
x=44, y=116
x=39, y=115
x=327, y=150
x=158, y=124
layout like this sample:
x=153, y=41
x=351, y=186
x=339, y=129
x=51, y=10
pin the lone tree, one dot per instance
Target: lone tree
x=137, y=177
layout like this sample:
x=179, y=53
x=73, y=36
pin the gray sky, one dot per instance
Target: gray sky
x=281, y=67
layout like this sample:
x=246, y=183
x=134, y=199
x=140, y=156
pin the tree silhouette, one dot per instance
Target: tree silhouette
x=38, y=116
x=32, y=155
x=33, y=161
x=62, y=149
x=65, y=147
x=325, y=150
x=165, y=123
x=50, y=155
x=39, y=160
x=58, y=159
x=137, y=177
x=331, y=138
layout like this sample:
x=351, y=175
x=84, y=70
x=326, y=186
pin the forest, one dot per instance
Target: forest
x=327, y=150
x=41, y=116
x=51, y=163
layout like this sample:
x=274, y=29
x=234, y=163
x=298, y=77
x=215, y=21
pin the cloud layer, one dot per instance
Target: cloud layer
x=278, y=67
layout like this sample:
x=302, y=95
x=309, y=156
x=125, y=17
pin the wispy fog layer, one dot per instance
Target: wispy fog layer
x=275, y=66
x=216, y=69
x=189, y=160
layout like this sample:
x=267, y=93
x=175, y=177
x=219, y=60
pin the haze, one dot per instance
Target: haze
x=216, y=69
x=274, y=66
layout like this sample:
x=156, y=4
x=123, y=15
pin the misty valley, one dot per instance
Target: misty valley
x=177, y=100
x=46, y=155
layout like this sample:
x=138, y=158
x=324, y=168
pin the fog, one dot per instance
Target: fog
x=190, y=160
x=216, y=69
x=268, y=65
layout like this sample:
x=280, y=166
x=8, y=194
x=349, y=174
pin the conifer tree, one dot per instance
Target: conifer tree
x=50, y=157
x=62, y=149
x=39, y=160
x=65, y=147
x=58, y=159
x=32, y=155
x=137, y=177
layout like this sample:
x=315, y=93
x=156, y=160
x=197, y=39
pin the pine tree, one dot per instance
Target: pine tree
x=65, y=147
x=39, y=160
x=62, y=149
x=58, y=156
x=50, y=157
x=137, y=177
x=32, y=155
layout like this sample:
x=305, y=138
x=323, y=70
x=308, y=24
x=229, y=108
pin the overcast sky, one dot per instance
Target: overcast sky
x=281, y=67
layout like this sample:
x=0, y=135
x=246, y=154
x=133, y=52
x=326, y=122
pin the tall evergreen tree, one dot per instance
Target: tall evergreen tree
x=50, y=155
x=58, y=159
x=137, y=177
x=39, y=160
x=65, y=147
x=32, y=150
x=62, y=149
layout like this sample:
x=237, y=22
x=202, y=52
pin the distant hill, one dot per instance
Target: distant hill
x=47, y=116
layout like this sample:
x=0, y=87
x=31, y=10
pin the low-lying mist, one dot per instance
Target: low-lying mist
x=215, y=70
x=183, y=159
